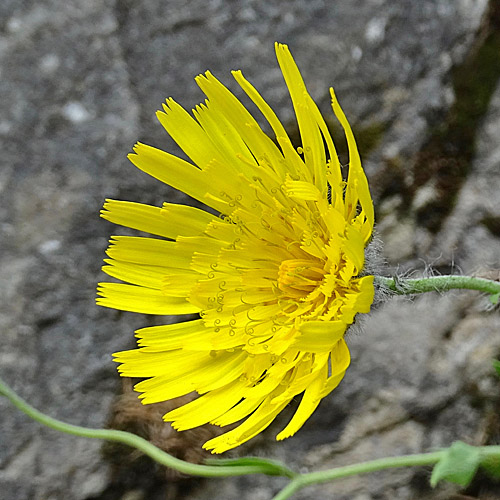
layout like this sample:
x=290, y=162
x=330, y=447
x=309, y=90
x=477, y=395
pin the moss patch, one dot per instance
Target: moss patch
x=492, y=224
x=450, y=149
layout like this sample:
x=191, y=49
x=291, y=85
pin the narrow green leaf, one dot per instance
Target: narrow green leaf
x=496, y=365
x=494, y=298
x=458, y=465
x=491, y=465
x=269, y=467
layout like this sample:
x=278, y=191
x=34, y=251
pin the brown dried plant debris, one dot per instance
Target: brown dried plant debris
x=131, y=415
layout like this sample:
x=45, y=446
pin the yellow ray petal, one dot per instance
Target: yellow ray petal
x=319, y=336
x=331, y=383
x=191, y=244
x=241, y=410
x=179, y=174
x=339, y=362
x=173, y=336
x=275, y=374
x=353, y=247
x=148, y=251
x=366, y=293
x=310, y=401
x=357, y=185
x=180, y=282
x=142, y=300
x=166, y=364
x=223, y=230
x=193, y=337
x=210, y=371
x=255, y=423
x=304, y=375
x=278, y=129
x=188, y=134
x=264, y=108
x=267, y=385
x=227, y=104
x=183, y=220
x=225, y=137
x=137, y=274
x=334, y=173
x=216, y=377
x=302, y=190
x=205, y=408
x=169, y=221
x=312, y=141
x=136, y=216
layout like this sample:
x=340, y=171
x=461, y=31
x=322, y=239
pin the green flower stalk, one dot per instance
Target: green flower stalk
x=406, y=286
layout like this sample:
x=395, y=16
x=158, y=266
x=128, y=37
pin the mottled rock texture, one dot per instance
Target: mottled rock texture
x=80, y=82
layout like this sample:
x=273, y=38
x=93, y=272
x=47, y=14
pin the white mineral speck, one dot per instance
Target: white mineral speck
x=49, y=63
x=5, y=127
x=14, y=24
x=75, y=112
x=375, y=30
x=356, y=53
x=49, y=246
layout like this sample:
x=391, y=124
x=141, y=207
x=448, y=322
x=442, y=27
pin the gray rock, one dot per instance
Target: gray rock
x=80, y=82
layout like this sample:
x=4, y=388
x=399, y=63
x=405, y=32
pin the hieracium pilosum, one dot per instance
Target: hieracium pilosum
x=276, y=278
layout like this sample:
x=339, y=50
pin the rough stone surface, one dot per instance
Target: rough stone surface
x=79, y=84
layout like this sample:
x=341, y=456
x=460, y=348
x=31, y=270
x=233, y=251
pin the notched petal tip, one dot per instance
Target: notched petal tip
x=278, y=46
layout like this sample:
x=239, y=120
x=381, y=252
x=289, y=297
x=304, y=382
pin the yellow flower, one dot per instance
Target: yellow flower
x=275, y=279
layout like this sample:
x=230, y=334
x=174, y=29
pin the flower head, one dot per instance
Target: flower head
x=275, y=278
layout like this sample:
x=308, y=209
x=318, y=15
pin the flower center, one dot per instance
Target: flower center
x=299, y=277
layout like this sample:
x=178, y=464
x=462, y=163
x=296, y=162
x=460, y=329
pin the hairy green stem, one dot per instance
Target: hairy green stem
x=351, y=470
x=263, y=467
x=303, y=480
x=404, y=286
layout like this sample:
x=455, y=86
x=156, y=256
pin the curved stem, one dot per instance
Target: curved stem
x=244, y=466
x=303, y=480
x=351, y=470
x=263, y=467
x=404, y=286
